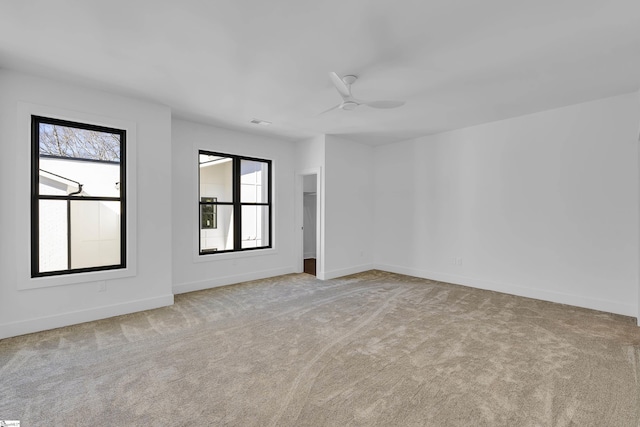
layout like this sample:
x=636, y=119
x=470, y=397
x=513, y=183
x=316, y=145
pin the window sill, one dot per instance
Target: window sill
x=76, y=278
x=233, y=255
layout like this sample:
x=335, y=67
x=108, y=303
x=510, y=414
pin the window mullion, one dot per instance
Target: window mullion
x=237, y=207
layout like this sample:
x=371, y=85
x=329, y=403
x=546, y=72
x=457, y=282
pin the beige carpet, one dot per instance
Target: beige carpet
x=365, y=350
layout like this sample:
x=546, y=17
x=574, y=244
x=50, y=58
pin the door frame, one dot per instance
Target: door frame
x=299, y=204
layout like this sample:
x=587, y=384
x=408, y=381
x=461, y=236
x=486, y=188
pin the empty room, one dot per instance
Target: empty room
x=290, y=213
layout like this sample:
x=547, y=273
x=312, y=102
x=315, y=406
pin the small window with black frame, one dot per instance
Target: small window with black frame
x=235, y=203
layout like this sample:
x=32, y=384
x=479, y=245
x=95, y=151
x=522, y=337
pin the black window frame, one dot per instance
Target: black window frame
x=36, y=197
x=236, y=203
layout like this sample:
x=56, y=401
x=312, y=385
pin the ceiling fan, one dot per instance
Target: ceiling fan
x=343, y=86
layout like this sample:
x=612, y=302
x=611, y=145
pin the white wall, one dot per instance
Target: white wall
x=309, y=184
x=349, y=210
x=192, y=271
x=28, y=310
x=310, y=153
x=544, y=205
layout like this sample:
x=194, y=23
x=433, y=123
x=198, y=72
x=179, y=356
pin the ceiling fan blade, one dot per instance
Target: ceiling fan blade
x=384, y=104
x=330, y=109
x=341, y=86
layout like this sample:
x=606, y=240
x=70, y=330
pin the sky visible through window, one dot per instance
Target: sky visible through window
x=63, y=141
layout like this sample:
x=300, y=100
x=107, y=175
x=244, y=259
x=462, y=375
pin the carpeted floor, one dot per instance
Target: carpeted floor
x=364, y=350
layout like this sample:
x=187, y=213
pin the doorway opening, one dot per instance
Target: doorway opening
x=309, y=223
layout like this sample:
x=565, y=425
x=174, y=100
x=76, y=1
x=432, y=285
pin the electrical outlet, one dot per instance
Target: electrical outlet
x=458, y=261
x=102, y=286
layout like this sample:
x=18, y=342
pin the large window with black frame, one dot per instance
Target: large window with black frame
x=234, y=200
x=77, y=197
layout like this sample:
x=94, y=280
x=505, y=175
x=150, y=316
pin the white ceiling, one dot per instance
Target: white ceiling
x=455, y=63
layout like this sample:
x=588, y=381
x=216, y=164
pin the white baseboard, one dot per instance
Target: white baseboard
x=309, y=255
x=345, y=271
x=559, y=297
x=182, y=288
x=23, y=327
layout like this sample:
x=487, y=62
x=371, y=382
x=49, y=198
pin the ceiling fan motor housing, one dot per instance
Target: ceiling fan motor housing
x=349, y=79
x=348, y=105
x=343, y=86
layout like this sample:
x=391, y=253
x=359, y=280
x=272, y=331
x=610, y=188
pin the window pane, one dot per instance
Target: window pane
x=95, y=233
x=221, y=237
x=254, y=176
x=255, y=226
x=208, y=213
x=78, y=161
x=53, y=235
x=216, y=177
x=79, y=177
x=71, y=142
